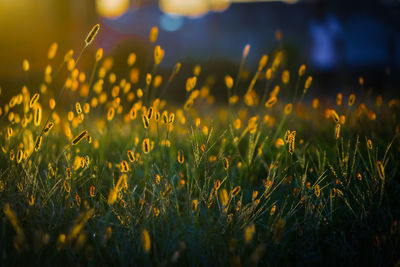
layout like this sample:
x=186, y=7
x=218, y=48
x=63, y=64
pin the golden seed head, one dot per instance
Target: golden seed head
x=307, y=84
x=381, y=170
x=158, y=54
x=369, y=144
x=249, y=232
x=99, y=54
x=153, y=34
x=181, y=157
x=177, y=68
x=352, y=99
x=288, y=108
x=225, y=162
x=146, y=241
x=89, y=39
x=302, y=70
x=78, y=138
x=246, y=51
x=25, y=65
x=131, y=59
x=223, y=197
x=34, y=99
x=68, y=55
x=263, y=62
x=285, y=77
x=228, y=81
x=146, y=145
x=52, y=50
x=337, y=131
x=235, y=190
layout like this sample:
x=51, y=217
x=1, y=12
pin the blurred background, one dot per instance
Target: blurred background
x=338, y=40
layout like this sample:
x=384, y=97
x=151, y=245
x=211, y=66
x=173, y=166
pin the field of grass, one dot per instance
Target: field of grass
x=118, y=176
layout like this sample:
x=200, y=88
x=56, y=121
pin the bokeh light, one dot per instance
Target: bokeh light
x=193, y=8
x=112, y=8
x=171, y=22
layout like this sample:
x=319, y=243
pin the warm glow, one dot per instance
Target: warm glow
x=112, y=8
x=193, y=8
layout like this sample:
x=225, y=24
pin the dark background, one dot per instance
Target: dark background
x=338, y=40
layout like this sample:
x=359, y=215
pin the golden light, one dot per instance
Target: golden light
x=198, y=8
x=111, y=8
x=193, y=8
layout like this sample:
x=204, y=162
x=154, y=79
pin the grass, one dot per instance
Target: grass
x=123, y=178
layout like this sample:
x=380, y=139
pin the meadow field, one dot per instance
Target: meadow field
x=100, y=168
